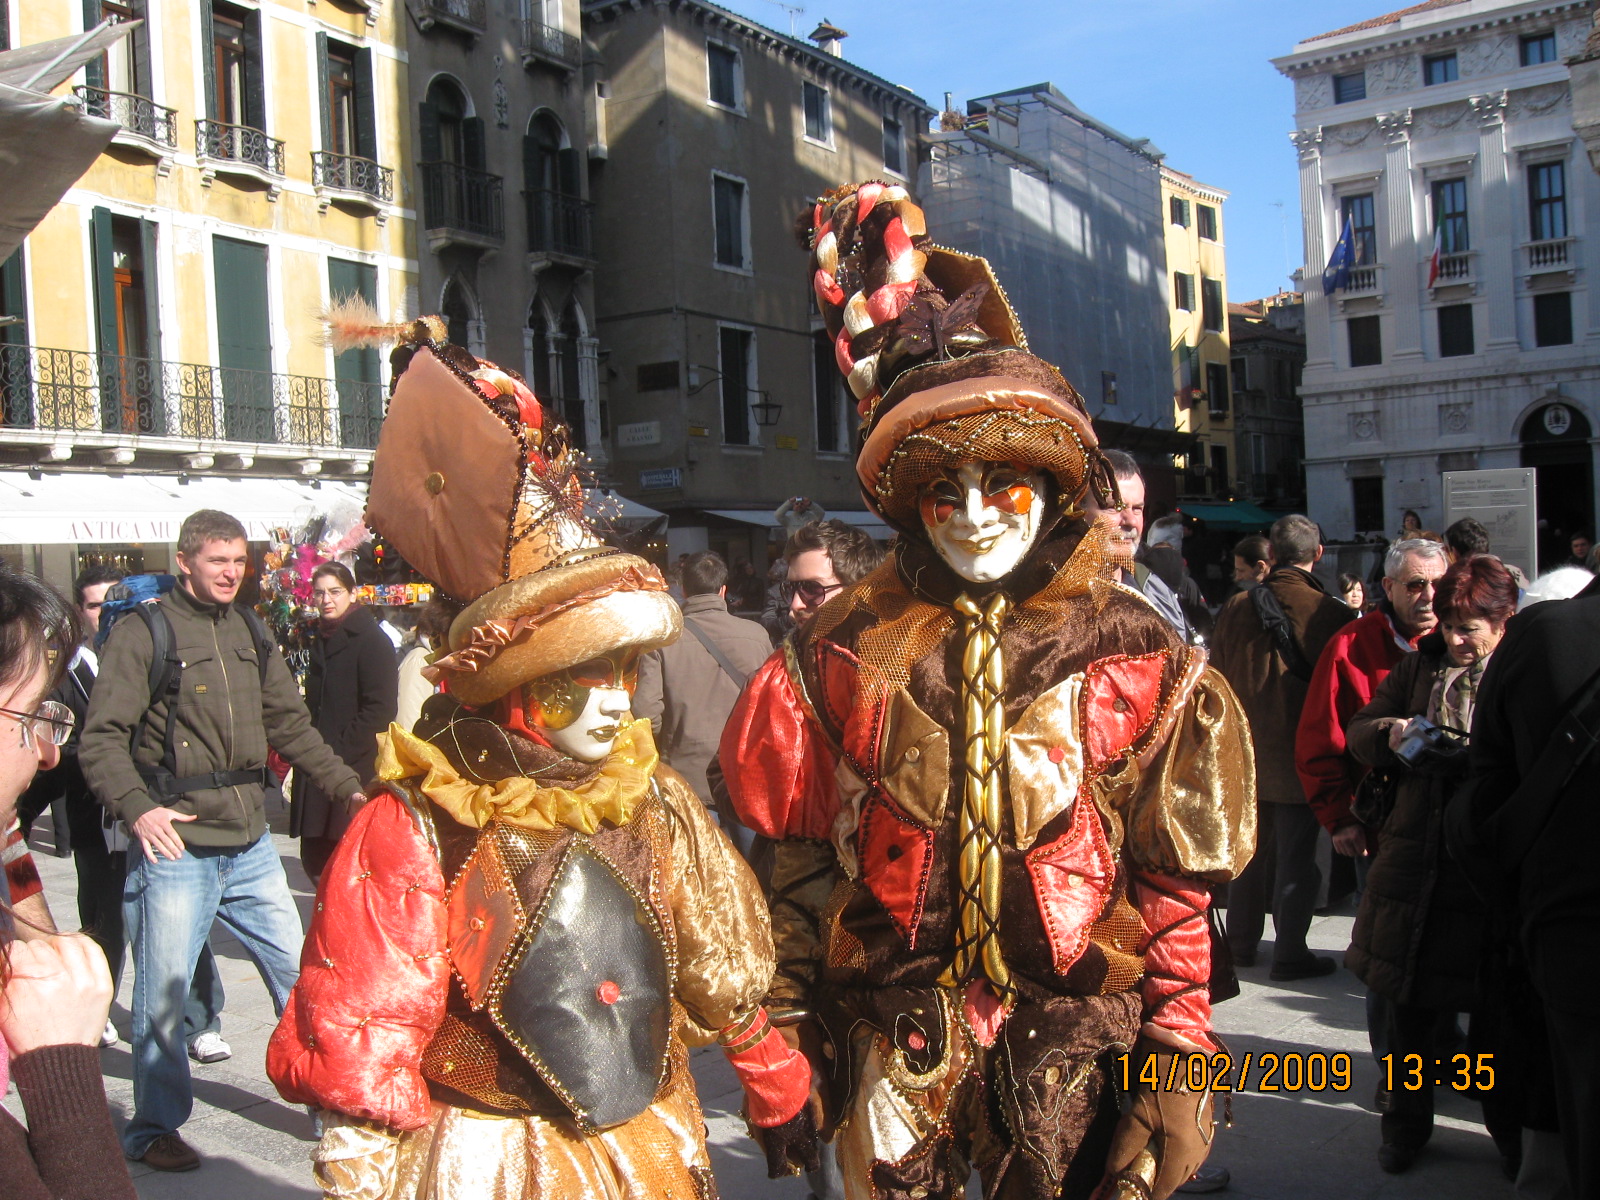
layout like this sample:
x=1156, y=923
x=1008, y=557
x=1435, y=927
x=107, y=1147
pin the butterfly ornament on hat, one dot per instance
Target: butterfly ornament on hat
x=524, y=930
x=998, y=785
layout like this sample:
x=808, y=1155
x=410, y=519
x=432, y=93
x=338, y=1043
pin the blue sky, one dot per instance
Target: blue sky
x=1190, y=75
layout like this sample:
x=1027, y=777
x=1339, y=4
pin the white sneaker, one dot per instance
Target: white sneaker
x=108, y=1037
x=209, y=1048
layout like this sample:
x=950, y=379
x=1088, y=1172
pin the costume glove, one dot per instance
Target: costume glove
x=1163, y=1138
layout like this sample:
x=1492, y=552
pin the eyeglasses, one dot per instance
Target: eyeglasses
x=1417, y=586
x=812, y=592
x=52, y=722
x=330, y=594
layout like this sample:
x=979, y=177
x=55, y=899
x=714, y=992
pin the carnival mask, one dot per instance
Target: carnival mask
x=982, y=518
x=583, y=709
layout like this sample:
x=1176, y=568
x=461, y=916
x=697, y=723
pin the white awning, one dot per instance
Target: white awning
x=610, y=504
x=89, y=508
x=869, y=523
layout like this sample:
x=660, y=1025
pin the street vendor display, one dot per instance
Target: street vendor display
x=999, y=784
x=518, y=938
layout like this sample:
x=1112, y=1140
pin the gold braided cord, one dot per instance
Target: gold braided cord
x=979, y=862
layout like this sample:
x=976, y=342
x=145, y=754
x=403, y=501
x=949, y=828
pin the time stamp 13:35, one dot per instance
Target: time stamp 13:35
x=1295, y=1071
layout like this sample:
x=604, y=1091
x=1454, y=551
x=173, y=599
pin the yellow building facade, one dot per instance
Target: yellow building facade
x=1198, y=304
x=166, y=313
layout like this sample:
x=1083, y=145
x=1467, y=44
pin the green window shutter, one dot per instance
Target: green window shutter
x=208, y=56
x=95, y=68
x=244, y=333
x=428, y=128
x=152, y=305
x=473, y=154
x=105, y=286
x=366, y=107
x=255, y=84
x=567, y=165
x=323, y=91
x=356, y=378
x=13, y=299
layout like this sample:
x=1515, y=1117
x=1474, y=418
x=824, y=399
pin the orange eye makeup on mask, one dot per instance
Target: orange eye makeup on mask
x=606, y=672
x=942, y=499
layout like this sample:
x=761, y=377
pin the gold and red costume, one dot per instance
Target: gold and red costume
x=513, y=948
x=997, y=807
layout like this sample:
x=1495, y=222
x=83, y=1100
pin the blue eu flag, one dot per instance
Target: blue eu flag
x=1336, y=274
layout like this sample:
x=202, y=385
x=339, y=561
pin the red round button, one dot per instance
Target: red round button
x=608, y=993
x=1057, y=754
x=916, y=1041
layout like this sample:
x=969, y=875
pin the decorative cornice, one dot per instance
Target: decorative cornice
x=1307, y=141
x=1490, y=108
x=1395, y=126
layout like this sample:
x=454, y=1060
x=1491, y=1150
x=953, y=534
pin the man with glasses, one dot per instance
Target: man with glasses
x=185, y=772
x=1352, y=665
x=824, y=557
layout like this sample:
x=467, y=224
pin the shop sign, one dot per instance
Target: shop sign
x=661, y=478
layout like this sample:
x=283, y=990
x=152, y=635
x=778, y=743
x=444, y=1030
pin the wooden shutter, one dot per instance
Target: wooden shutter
x=255, y=85
x=208, y=56
x=13, y=293
x=568, y=172
x=366, y=106
x=105, y=285
x=428, y=128
x=152, y=305
x=244, y=334
x=473, y=153
x=94, y=71
x=324, y=92
x=142, y=82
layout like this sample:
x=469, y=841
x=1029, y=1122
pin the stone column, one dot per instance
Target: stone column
x=1401, y=270
x=589, y=390
x=1496, y=232
x=1313, y=232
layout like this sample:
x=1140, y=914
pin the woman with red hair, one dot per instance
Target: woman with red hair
x=1418, y=934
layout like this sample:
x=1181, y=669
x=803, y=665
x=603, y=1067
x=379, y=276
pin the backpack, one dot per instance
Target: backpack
x=1276, y=622
x=141, y=594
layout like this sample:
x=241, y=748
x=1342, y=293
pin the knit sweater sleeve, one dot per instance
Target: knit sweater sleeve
x=69, y=1150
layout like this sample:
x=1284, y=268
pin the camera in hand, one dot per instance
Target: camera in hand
x=1428, y=745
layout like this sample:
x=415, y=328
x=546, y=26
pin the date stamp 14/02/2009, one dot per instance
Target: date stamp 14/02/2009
x=1294, y=1071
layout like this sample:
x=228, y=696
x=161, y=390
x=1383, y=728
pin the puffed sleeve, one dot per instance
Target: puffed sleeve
x=373, y=976
x=724, y=933
x=1189, y=803
x=778, y=767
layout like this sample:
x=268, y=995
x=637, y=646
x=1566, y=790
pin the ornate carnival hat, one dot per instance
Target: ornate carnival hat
x=476, y=485
x=936, y=358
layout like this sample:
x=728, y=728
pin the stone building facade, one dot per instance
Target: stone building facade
x=1268, y=344
x=1447, y=125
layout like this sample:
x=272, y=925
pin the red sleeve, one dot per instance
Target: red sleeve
x=373, y=977
x=1177, y=954
x=780, y=773
x=22, y=874
x=1319, y=744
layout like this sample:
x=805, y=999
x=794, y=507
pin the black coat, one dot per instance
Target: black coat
x=65, y=779
x=1418, y=935
x=1548, y=654
x=352, y=689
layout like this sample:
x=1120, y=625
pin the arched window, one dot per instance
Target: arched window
x=551, y=185
x=449, y=134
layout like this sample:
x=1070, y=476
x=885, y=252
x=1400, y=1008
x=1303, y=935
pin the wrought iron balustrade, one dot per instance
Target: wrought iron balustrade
x=238, y=144
x=136, y=114
x=559, y=223
x=351, y=173
x=546, y=41
x=457, y=197
x=83, y=392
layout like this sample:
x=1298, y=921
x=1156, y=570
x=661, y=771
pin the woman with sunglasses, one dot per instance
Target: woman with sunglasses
x=55, y=991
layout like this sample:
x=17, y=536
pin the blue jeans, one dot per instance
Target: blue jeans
x=168, y=908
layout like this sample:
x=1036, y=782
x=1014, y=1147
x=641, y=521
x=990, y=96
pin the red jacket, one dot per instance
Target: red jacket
x=1352, y=665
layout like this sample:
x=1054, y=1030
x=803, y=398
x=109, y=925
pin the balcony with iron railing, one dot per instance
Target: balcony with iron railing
x=559, y=227
x=79, y=392
x=148, y=124
x=467, y=16
x=238, y=150
x=461, y=206
x=350, y=177
x=543, y=43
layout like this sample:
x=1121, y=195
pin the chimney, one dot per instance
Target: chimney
x=827, y=36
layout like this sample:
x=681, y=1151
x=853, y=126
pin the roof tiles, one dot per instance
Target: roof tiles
x=1388, y=19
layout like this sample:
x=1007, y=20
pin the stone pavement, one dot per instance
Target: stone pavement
x=1288, y=1145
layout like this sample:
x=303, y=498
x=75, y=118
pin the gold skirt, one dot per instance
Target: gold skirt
x=461, y=1155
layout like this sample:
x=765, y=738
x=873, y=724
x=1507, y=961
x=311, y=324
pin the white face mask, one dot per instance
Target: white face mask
x=592, y=733
x=982, y=518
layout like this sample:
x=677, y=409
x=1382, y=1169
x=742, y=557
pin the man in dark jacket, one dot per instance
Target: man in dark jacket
x=185, y=774
x=1549, y=652
x=687, y=689
x=1270, y=679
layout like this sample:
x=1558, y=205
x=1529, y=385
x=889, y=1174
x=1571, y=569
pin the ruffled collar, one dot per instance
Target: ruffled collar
x=546, y=800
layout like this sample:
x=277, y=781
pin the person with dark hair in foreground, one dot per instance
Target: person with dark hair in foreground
x=55, y=991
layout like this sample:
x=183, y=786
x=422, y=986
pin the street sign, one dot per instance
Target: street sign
x=659, y=479
x=1503, y=500
x=639, y=433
